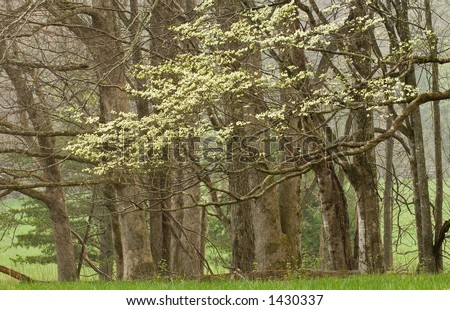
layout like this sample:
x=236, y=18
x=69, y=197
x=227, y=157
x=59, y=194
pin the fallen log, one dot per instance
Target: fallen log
x=15, y=274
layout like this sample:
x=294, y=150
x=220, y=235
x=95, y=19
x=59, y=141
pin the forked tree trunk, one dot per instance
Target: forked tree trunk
x=110, y=198
x=362, y=175
x=335, y=217
x=100, y=39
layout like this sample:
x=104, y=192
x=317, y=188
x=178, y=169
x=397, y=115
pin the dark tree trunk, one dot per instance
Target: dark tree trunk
x=110, y=198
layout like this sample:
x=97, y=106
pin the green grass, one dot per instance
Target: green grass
x=8, y=253
x=356, y=282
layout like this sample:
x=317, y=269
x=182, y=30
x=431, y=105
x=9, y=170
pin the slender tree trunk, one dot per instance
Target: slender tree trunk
x=433, y=42
x=388, y=202
x=418, y=162
x=110, y=198
x=335, y=217
x=429, y=264
x=106, y=256
x=417, y=205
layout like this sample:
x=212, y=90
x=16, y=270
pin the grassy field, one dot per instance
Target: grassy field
x=8, y=252
x=369, y=282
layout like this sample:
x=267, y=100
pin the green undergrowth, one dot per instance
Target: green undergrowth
x=355, y=282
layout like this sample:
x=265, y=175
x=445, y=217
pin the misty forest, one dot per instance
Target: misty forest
x=182, y=139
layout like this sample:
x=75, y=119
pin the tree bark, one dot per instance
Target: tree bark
x=108, y=54
x=110, y=198
x=362, y=173
x=335, y=217
x=291, y=216
x=166, y=13
x=271, y=245
x=429, y=264
x=188, y=246
x=54, y=197
x=242, y=233
x=439, y=176
x=388, y=202
x=137, y=256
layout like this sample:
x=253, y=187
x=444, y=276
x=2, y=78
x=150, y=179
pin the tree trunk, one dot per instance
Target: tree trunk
x=271, y=245
x=188, y=246
x=418, y=162
x=110, y=198
x=429, y=264
x=242, y=234
x=160, y=234
x=54, y=196
x=362, y=174
x=62, y=235
x=137, y=255
x=363, y=178
x=106, y=256
x=439, y=177
x=166, y=13
x=109, y=54
x=388, y=202
x=335, y=217
x=290, y=217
